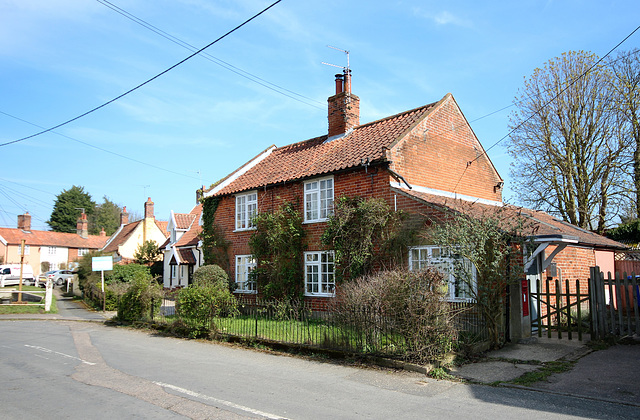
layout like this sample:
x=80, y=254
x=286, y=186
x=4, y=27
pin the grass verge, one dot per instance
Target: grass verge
x=28, y=308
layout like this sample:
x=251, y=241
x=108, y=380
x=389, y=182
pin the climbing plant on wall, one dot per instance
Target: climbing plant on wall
x=357, y=229
x=214, y=244
x=278, y=246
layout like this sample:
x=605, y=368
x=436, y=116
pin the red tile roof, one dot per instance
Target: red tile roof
x=191, y=237
x=542, y=224
x=121, y=237
x=183, y=221
x=322, y=155
x=48, y=238
x=186, y=256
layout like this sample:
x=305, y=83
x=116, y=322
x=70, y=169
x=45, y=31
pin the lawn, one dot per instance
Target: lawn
x=30, y=307
x=309, y=332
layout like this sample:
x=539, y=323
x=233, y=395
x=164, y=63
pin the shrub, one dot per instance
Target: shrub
x=126, y=273
x=198, y=305
x=408, y=304
x=142, y=296
x=211, y=275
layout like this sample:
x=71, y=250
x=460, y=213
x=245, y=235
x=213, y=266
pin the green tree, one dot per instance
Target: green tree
x=147, y=252
x=65, y=213
x=107, y=216
x=566, y=144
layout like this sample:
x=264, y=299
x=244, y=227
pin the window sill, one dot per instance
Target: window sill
x=327, y=295
x=246, y=292
x=309, y=222
x=244, y=230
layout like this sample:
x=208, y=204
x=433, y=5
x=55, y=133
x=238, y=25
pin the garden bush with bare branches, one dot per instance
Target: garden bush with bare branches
x=407, y=307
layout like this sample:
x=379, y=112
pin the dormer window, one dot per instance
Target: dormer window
x=246, y=209
x=318, y=200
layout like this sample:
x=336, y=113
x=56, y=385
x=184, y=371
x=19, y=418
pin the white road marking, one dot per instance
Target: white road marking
x=221, y=402
x=58, y=353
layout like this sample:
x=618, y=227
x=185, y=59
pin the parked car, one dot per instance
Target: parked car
x=58, y=277
x=10, y=274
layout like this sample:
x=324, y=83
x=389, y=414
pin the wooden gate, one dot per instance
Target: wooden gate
x=560, y=309
x=615, y=304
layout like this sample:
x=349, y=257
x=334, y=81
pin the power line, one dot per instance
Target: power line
x=485, y=152
x=102, y=149
x=147, y=81
x=240, y=72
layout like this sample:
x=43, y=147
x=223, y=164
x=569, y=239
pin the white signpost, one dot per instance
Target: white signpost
x=101, y=264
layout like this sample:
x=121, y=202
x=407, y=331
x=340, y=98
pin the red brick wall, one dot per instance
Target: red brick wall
x=373, y=182
x=436, y=153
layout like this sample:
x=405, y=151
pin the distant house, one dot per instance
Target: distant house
x=51, y=250
x=129, y=236
x=182, y=253
x=425, y=161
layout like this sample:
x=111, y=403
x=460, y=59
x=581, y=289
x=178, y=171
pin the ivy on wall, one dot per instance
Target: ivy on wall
x=214, y=245
x=278, y=246
x=363, y=232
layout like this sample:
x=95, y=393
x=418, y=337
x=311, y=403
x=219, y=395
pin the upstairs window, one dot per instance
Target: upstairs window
x=27, y=250
x=82, y=251
x=318, y=200
x=246, y=209
x=458, y=290
x=53, y=250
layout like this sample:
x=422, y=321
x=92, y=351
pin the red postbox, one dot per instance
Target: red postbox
x=525, y=298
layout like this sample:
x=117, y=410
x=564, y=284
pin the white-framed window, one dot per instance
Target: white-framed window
x=245, y=264
x=174, y=271
x=319, y=273
x=246, y=209
x=82, y=251
x=53, y=250
x=434, y=256
x=27, y=250
x=318, y=199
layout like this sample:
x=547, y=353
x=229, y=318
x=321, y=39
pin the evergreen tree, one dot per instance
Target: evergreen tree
x=66, y=211
x=107, y=216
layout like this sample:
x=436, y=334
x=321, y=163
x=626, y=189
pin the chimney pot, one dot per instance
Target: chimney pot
x=344, y=108
x=339, y=83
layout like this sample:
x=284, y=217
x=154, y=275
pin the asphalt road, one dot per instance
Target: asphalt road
x=69, y=369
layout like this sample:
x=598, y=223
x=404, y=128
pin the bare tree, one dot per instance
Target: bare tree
x=566, y=145
x=626, y=71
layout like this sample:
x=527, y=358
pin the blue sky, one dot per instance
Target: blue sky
x=201, y=120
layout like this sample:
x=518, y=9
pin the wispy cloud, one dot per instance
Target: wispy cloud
x=443, y=17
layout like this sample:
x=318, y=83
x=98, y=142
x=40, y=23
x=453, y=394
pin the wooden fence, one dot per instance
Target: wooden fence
x=560, y=309
x=615, y=304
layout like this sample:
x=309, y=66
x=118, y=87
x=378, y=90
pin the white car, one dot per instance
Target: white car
x=58, y=277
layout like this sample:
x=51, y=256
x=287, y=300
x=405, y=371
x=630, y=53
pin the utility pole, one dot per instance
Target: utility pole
x=22, y=242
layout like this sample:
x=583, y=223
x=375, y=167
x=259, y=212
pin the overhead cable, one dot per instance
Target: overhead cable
x=146, y=82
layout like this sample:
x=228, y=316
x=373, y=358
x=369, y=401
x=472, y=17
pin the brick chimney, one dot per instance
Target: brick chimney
x=344, y=107
x=82, y=226
x=148, y=209
x=24, y=221
x=102, y=232
x=124, y=216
